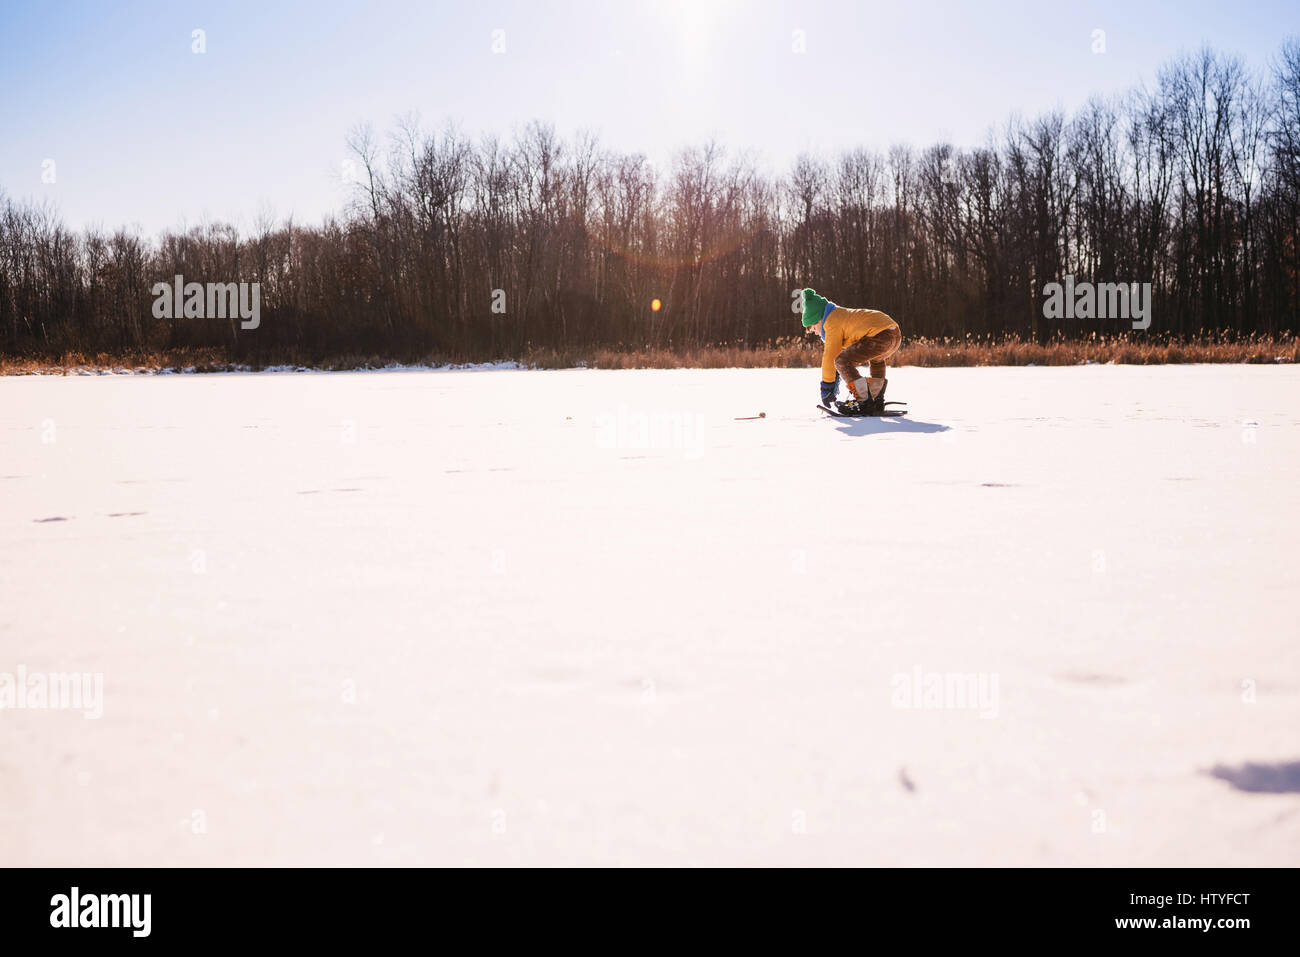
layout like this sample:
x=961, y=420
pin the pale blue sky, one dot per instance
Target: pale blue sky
x=145, y=132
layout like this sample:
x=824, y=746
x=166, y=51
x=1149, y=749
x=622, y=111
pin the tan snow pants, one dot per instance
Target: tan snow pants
x=870, y=349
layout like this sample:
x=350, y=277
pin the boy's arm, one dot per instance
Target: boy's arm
x=830, y=378
x=834, y=340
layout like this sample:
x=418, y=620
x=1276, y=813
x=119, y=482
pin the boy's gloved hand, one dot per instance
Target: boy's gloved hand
x=829, y=389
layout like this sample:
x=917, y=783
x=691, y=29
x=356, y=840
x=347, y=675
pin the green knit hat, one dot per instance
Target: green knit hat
x=814, y=307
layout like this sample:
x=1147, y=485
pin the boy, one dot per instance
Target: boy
x=852, y=337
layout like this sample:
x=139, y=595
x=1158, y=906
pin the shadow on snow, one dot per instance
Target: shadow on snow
x=1280, y=778
x=877, y=425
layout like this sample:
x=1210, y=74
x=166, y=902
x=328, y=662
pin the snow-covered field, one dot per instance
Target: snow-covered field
x=592, y=618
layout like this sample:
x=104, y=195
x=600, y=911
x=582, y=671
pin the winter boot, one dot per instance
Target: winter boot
x=876, y=393
x=859, y=398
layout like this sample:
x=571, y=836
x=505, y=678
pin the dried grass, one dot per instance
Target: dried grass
x=793, y=353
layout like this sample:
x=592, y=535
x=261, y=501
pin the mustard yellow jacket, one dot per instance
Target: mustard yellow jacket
x=846, y=326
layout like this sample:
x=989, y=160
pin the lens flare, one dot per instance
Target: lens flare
x=656, y=305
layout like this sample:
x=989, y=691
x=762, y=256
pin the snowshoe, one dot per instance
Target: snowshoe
x=853, y=408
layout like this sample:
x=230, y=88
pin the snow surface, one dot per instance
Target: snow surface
x=585, y=617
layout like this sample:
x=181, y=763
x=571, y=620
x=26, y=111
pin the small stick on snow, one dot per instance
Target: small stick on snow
x=745, y=418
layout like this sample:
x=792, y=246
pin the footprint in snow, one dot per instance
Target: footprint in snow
x=1091, y=678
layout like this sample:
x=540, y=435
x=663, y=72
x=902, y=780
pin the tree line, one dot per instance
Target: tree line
x=467, y=249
